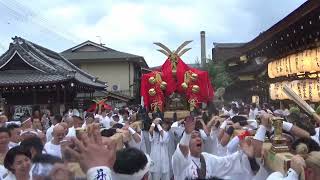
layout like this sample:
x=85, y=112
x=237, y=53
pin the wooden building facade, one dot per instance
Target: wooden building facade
x=34, y=78
x=293, y=36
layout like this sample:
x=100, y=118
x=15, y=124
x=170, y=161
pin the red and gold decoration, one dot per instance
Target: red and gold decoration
x=175, y=76
x=99, y=103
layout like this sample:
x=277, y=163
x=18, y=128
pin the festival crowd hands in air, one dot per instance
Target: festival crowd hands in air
x=129, y=145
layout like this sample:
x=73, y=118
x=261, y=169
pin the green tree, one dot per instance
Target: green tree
x=219, y=76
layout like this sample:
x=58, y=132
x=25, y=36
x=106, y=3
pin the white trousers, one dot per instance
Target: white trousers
x=160, y=176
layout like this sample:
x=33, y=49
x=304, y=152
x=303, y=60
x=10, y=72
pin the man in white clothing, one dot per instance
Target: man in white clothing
x=189, y=162
x=53, y=147
x=105, y=118
x=15, y=137
x=159, y=139
x=56, y=119
x=71, y=129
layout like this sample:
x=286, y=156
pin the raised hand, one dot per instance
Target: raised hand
x=189, y=124
x=92, y=152
x=266, y=120
x=247, y=147
x=297, y=163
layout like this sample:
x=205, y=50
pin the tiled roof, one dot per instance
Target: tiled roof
x=29, y=78
x=104, y=54
x=48, y=66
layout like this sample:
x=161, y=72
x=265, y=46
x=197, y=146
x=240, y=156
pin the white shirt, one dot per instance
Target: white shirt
x=292, y=175
x=177, y=130
x=253, y=113
x=186, y=167
x=71, y=132
x=3, y=172
x=52, y=149
x=316, y=136
x=105, y=121
x=10, y=176
x=210, y=144
x=159, y=152
x=49, y=133
x=138, y=145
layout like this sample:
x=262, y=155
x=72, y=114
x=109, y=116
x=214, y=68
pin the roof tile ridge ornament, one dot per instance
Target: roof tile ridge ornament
x=17, y=40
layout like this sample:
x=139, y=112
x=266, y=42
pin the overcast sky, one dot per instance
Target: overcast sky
x=132, y=26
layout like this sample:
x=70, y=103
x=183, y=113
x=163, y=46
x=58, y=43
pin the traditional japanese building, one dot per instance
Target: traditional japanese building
x=287, y=53
x=33, y=77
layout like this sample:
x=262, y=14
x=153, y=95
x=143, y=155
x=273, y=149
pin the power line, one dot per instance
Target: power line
x=23, y=13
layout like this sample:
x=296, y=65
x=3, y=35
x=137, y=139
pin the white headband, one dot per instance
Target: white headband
x=29, y=119
x=31, y=132
x=136, y=176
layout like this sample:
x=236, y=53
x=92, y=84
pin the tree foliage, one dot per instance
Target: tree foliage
x=219, y=76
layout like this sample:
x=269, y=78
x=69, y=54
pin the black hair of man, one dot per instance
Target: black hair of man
x=4, y=130
x=57, y=118
x=90, y=115
x=33, y=142
x=11, y=155
x=117, y=126
x=108, y=132
x=311, y=144
x=46, y=159
x=253, y=105
x=129, y=161
x=11, y=127
x=235, y=110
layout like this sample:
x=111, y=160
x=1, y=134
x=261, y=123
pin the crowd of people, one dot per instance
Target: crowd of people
x=132, y=144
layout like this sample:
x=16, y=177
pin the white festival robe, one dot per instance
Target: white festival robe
x=219, y=167
x=159, y=152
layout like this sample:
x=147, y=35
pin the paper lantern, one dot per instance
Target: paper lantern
x=307, y=89
x=270, y=70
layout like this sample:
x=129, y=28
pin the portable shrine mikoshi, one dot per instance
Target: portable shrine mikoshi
x=175, y=86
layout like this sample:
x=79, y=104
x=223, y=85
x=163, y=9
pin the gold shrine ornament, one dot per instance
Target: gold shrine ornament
x=152, y=80
x=152, y=92
x=195, y=88
x=184, y=85
x=194, y=76
x=163, y=85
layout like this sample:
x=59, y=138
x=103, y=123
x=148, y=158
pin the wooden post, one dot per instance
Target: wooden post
x=65, y=98
x=34, y=96
x=58, y=100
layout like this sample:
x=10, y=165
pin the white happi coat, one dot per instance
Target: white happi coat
x=140, y=145
x=159, y=152
x=219, y=167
